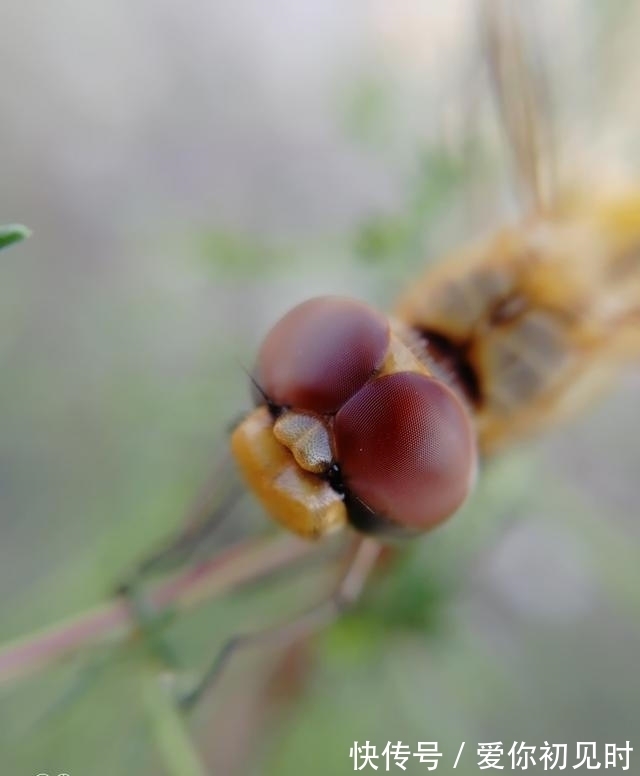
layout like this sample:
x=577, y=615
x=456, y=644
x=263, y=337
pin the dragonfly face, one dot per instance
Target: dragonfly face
x=353, y=426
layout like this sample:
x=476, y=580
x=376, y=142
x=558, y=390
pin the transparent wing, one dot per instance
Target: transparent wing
x=522, y=96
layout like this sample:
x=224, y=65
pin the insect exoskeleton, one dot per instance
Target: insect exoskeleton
x=352, y=426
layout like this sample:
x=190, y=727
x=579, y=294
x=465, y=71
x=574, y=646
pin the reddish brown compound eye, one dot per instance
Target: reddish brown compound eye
x=406, y=449
x=321, y=352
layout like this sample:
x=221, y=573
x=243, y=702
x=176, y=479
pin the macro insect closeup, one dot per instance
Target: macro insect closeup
x=373, y=277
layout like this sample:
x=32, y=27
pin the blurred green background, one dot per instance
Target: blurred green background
x=190, y=171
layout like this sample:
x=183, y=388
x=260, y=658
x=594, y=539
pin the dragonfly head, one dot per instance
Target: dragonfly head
x=350, y=426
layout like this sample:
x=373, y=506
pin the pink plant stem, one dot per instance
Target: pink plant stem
x=114, y=620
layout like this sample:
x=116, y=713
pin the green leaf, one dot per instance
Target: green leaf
x=12, y=233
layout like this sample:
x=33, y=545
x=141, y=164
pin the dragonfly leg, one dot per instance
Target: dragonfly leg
x=182, y=548
x=189, y=544
x=344, y=596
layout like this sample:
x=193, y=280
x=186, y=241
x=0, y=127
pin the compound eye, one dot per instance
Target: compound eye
x=320, y=353
x=406, y=449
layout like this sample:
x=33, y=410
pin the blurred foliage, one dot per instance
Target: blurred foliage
x=367, y=110
x=438, y=178
x=238, y=254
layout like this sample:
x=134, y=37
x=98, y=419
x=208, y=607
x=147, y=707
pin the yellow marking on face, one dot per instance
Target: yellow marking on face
x=299, y=500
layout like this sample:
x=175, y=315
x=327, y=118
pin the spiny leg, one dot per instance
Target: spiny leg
x=181, y=549
x=216, y=500
x=344, y=596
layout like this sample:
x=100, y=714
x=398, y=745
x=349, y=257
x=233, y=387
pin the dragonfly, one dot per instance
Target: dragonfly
x=378, y=425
